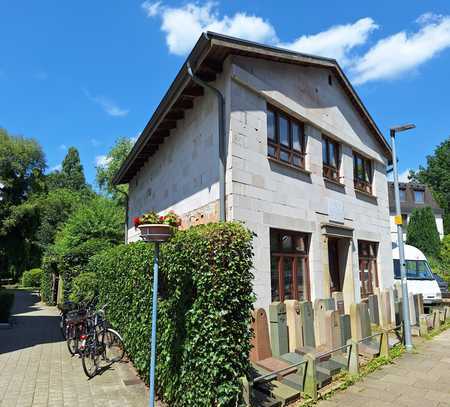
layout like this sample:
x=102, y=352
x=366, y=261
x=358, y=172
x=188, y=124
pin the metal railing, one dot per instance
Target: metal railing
x=309, y=378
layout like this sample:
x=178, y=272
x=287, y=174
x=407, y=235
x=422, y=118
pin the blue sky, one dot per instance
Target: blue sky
x=85, y=73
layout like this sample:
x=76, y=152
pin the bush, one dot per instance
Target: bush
x=32, y=278
x=6, y=303
x=204, y=310
x=84, y=287
x=422, y=232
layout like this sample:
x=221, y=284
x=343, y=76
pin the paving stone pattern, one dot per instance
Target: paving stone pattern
x=36, y=368
x=419, y=379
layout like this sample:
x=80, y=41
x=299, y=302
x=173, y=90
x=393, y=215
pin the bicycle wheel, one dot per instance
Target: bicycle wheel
x=90, y=361
x=114, y=350
x=72, y=345
x=63, y=326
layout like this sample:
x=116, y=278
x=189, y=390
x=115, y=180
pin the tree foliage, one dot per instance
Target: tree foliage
x=71, y=175
x=105, y=173
x=84, y=288
x=436, y=175
x=94, y=226
x=98, y=218
x=422, y=232
x=22, y=165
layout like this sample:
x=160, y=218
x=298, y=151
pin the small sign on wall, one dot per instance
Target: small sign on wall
x=335, y=211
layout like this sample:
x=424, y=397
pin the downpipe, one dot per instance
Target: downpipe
x=221, y=125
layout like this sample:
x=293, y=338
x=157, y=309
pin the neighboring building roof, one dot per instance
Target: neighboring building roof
x=409, y=204
x=206, y=59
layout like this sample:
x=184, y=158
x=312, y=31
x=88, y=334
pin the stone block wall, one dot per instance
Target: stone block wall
x=269, y=195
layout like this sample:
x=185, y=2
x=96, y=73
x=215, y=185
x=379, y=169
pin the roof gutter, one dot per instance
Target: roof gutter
x=221, y=125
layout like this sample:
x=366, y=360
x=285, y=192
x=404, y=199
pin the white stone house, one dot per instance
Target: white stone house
x=305, y=167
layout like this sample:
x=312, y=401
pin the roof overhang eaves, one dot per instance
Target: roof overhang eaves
x=200, y=52
x=181, y=80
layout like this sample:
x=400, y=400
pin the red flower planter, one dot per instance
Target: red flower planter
x=155, y=232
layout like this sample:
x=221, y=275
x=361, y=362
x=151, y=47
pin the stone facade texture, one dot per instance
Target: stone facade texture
x=183, y=174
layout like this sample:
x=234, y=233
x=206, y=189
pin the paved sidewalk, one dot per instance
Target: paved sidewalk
x=36, y=368
x=420, y=379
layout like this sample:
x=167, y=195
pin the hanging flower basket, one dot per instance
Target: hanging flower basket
x=156, y=228
x=155, y=232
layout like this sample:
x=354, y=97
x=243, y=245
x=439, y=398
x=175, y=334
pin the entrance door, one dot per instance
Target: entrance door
x=333, y=264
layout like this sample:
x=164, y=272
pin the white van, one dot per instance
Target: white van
x=418, y=273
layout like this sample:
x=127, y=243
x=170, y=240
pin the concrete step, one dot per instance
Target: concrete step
x=260, y=399
x=294, y=380
x=331, y=367
x=280, y=391
x=322, y=379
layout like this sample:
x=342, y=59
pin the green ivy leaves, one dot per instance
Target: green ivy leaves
x=205, y=301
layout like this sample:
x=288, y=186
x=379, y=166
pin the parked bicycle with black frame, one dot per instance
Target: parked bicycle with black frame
x=100, y=344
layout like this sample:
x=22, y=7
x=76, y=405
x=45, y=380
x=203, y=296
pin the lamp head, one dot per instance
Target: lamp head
x=405, y=127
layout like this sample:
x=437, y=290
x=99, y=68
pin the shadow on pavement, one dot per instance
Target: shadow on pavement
x=32, y=324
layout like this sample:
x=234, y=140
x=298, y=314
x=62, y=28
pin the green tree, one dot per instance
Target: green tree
x=436, y=175
x=71, y=175
x=422, y=232
x=54, y=209
x=100, y=218
x=105, y=173
x=22, y=165
x=94, y=226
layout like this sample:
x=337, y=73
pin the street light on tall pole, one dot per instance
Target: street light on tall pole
x=401, y=247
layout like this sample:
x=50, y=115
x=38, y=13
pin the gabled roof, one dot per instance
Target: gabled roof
x=409, y=204
x=206, y=59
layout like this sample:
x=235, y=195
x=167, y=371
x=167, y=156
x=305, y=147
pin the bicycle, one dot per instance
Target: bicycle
x=66, y=309
x=75, y=325
x=100, y=343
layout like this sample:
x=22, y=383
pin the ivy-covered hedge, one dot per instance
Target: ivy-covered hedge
x=84, y=288
x=204, y=310
x=47, y=280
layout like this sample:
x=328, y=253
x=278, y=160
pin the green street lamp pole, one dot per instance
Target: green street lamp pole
x=401, y=247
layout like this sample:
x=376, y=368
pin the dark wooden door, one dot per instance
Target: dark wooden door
x=333, y=263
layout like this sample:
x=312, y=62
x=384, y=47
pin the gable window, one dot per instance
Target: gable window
x=402, y=195
x=368, y=274
x=419, y=196
x=330, y=158
x=362, y=173
x=285, y=138
x=289, y=265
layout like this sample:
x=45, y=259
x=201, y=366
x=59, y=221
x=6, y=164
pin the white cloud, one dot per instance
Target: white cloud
x=185, y=24
x=336, y=42
x=63, y=147
x=152, y=9
x=102, y=160
x=56, y=168
x=390, y=57
x=402, y=176
x=109, y=106
x=399, y=53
